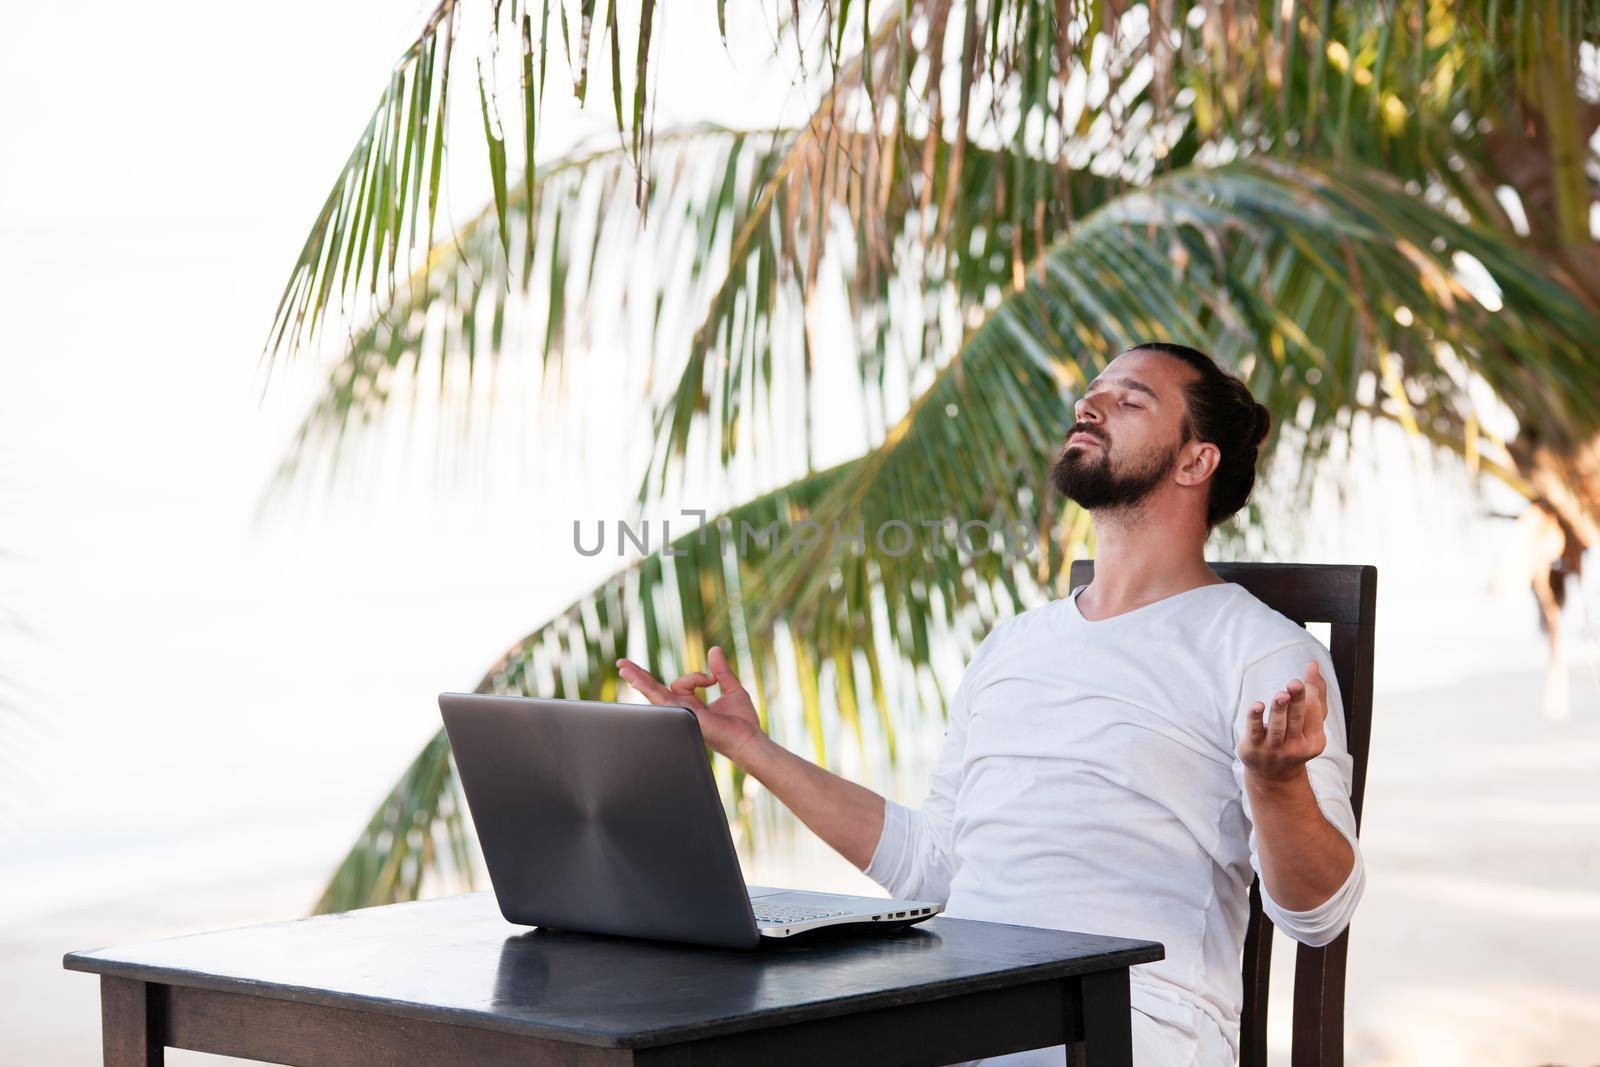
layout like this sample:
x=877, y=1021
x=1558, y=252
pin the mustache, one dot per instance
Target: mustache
x=1091, y=431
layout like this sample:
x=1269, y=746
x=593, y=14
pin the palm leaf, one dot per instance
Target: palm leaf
x=763, y=233
x=720, y=198
x=416, y=832
x=1278, y=270
x=467, y=304
x=367, y=228
x=658, y=612
x=367, y=223
x=973, y=447
x=1332, y=289
x=1362, y=80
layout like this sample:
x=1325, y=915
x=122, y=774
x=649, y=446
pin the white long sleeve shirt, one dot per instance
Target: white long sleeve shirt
x=1089, y=780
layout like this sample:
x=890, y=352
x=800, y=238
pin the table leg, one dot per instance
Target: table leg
x=1104, y=1020
x=129, y=1033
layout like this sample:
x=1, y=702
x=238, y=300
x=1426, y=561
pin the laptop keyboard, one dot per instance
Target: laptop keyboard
x=777, y=913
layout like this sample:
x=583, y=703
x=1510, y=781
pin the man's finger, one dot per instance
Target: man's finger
x=1297, y=708
x=646, y=683
x=1318, y=684
x=718, y=662
x=1277, y=725
x=1315, y=678
x=1256, y=727
x=692, y=681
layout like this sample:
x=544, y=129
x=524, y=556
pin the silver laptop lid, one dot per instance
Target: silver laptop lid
x=599, y=817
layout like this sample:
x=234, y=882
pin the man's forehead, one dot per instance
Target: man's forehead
x=1148, y=372
x=1123, y=380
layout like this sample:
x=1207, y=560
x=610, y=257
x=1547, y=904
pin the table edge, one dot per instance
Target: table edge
x=1138, y=952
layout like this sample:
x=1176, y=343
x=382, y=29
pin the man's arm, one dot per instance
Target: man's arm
x=847, y=816
x=1296, y=780
x=1304, y=860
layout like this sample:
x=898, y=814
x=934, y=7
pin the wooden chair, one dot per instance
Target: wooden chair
x=1345, y=596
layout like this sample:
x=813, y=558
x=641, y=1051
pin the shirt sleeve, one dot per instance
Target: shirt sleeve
x=1330, y=774
x=914, y=859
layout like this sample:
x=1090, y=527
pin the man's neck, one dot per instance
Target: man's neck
x=1139, y=559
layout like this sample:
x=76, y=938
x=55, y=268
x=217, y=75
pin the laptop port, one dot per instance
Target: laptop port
x=899, y=915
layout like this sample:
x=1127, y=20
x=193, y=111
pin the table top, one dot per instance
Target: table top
x=456, y=960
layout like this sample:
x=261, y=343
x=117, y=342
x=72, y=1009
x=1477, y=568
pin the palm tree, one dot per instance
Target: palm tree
x=1370, y=211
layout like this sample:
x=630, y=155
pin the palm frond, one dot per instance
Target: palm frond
x=416, y=832
x=728, y=205
x=1362, y=81
x=1075, y=179
x=367, y=228
x=821, y=683
x=1304, y=281
x=913, y=209
x=367, y=224
x=1232, y=258
x=528, y=277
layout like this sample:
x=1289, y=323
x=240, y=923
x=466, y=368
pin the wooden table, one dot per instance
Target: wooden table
x=451, y=982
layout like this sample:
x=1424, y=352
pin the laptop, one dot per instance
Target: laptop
x=604, y=818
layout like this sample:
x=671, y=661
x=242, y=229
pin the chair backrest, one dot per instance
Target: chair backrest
x=1345, y=597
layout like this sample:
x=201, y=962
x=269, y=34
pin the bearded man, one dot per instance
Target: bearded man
x=1125, y=759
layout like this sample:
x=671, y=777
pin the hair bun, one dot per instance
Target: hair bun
x=1260, y=424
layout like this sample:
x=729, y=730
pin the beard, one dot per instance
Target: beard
x=1085, y=475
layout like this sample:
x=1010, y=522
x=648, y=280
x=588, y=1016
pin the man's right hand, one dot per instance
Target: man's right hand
x=729, y=723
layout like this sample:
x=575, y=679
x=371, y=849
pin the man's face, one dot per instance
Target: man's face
x=1126, y=434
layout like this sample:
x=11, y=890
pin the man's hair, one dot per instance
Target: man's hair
x=1219, y=408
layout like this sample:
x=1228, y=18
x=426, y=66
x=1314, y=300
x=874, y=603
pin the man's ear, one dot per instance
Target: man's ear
x=1197, y=461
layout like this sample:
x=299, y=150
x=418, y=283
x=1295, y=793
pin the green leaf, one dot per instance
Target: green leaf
x=641, y=62
x=497, y=163
x=585, y=26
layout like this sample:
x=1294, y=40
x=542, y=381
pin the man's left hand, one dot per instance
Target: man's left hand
x=1278, y=750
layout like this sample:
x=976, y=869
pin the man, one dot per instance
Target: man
x=1121, y=760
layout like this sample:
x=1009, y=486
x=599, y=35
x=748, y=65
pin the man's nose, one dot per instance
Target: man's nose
x=1084, y=411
